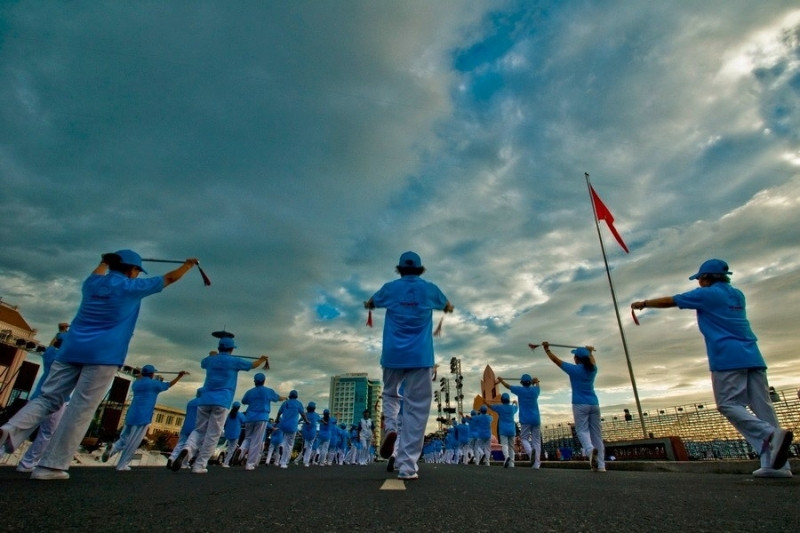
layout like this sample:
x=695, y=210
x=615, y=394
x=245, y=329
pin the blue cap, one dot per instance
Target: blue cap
x=130, y=258
x=410, y=259
x=293, y=394
x=326, y=412
x=473, y=412
x=505, y=398
x=149, y=370
x=484, y=409
x=526, y=378
x=312, y=405
x=227, y=344
x=259, y=378
x=582, y=352
x=237, y=405
x=712, y=266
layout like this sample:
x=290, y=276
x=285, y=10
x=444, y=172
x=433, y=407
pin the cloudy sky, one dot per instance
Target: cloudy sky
x=298, y=148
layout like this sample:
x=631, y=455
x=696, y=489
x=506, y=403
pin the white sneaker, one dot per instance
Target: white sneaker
x=773, y=472
x=125, y=468
x=199, y=470
x=249, y=467
x=407, y=477
x=47, y=474
x=284, y=466
x=223, y=465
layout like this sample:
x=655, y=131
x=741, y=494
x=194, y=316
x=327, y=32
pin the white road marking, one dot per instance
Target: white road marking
x=393, y=484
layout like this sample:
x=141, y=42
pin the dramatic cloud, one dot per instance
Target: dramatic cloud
x=297, y=149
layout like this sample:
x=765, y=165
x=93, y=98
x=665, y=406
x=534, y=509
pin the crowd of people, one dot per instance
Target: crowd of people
x=85, y=355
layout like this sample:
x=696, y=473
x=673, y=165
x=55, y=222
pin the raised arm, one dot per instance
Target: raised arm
x=551, y=355
x=260, y=361
x=178, y=377
x=502, y=382
x=174, y=275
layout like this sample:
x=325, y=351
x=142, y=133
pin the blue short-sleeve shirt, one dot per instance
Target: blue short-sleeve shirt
x=408, y=329
x=290, y=415
x=505, y=413
x=528, y=400
x=48, y=356
x=191, y=417
x=722, y=319
x=145, y=393
x=221, y=375
x=103, y=326
x=233, y=425
x=257, y=401
x=582, y=382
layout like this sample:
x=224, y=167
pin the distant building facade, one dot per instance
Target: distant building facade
x=352, y=394
x=17, y=339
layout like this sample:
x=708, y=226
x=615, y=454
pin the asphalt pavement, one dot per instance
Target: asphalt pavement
x=446, y=498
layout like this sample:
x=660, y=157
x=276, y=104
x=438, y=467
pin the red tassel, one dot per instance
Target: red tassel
x=438, y=331
x=206, y=281
x=635, y=320
x=369, y=318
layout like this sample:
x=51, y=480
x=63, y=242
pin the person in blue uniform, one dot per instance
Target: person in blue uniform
x=407, y=359
x=585, y=404
x=290, y=413
x=189, y=423
x=506, y=427
x=258, y=401
x=140, y=413
x=232, y=431
x=327, y=425
x=530, y=420
x=738, y=370
x=310, y=432
x=92, y=351
x=483, y=436
x=218, y=389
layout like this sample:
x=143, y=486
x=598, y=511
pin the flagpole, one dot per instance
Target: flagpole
x=616, y=308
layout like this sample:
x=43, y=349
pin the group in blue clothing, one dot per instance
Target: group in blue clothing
x=79, y=366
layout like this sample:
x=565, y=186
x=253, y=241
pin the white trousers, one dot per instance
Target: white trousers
x=254, y=435
x=204, y=438
x=416, y=400
x=483, y=449
x=46, y=429
x=507, y=445
x=531, y=437
x=589, y=430
x=323, y=451
x=182, y=438
x=308, y=448
x=88, y=385
x=737, y=390
x=128, y=442
x=230, y=449
x=288, y=445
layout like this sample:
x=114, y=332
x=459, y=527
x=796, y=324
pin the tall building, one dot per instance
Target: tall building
x=352, y=394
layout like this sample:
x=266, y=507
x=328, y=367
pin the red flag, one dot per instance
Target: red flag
x=604, y=214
